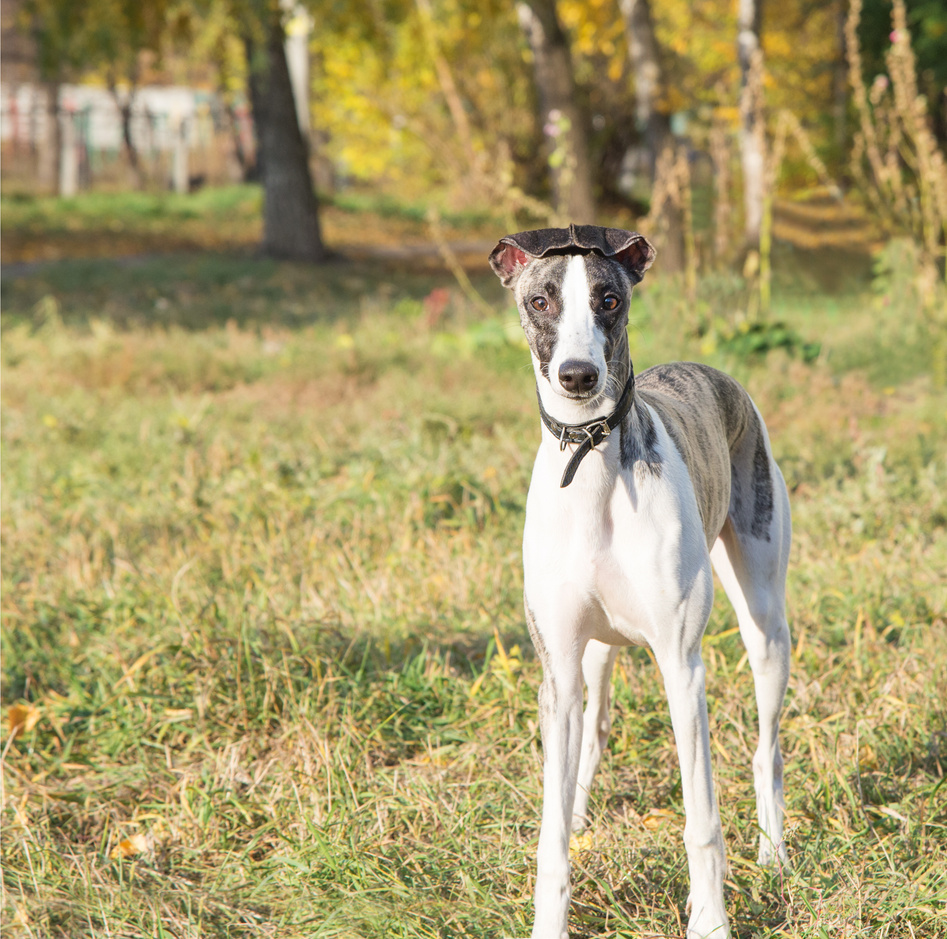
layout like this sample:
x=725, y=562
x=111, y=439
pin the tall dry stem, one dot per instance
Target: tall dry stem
x=671, y=197
x=721, y=155
x=895, y=157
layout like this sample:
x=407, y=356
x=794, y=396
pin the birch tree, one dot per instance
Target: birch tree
x=652, y=122
x=561, y=117
x=752, y=140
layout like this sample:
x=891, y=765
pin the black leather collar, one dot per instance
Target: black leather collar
x=590, y=434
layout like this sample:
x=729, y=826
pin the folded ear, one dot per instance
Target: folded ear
x=508, y=261
x=636, y=255
x=633, y=251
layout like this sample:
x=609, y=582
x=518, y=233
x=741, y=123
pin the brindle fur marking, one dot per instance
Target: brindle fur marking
x=540, y=328
x=711, y=418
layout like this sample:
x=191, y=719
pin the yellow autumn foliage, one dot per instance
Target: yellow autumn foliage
x=380, y=107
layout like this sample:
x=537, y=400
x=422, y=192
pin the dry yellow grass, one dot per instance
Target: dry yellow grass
x=261, y=593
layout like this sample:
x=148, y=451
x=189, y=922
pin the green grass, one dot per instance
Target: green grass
x=37, y=228
x=261, y=588
x=136, y=224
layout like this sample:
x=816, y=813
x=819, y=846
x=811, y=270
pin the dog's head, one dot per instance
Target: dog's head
x=573, y=287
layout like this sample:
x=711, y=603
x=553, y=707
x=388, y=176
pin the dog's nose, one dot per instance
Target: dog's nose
x=578, y=377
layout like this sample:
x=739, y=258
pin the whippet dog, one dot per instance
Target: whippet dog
x=642, y=485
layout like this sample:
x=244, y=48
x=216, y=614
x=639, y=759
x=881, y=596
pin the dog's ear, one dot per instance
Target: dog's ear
x=514, y=252
x=508, y=261
x=635, y=254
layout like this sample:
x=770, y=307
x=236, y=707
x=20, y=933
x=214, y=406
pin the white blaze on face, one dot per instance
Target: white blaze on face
x=579, y=336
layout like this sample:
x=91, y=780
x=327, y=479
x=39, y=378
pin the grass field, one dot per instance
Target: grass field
x=115, y=224
x=262, y=628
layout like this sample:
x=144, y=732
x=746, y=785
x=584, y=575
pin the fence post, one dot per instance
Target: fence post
x=179, y=170
x=69, y=159
x=49, y=146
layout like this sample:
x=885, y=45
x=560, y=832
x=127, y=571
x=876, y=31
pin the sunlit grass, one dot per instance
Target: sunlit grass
x=261, y=594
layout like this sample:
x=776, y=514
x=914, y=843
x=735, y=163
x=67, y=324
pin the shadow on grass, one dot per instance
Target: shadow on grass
x=201, y=290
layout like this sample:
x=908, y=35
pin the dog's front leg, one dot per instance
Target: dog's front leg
x=560, y=716
x=683, y=672
x=597, y=664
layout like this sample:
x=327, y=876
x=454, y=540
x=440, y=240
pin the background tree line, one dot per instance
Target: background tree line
x=561, y=107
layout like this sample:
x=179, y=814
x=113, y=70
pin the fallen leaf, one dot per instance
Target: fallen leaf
x=657, y=818
x=580, y=843
x=22, y=718
x=129, y=847
x=178, y=714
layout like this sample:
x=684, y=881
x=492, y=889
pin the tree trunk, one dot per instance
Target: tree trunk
x=50, y=144
x=653, y=124
x=563, y=121
x=445, y=78
x=236, y=138
x=752, y=141
x=124, y=105
x=290, y=210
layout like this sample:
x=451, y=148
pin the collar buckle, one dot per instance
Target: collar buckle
x=601, y=428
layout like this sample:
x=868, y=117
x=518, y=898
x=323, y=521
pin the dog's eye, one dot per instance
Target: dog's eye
x=539, y=304
x=610, y=303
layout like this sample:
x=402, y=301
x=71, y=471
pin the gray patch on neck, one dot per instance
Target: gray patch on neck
x=639, y=443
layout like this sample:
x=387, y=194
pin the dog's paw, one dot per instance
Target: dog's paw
x=706, y=922
x=708, y=928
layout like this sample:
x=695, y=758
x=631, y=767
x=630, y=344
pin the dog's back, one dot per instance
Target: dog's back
x=719, y=434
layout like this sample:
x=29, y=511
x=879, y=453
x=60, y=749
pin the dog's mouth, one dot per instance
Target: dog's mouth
x=590, y=399
x=582, y=396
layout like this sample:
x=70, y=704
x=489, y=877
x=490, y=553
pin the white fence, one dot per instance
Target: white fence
x=182, y=137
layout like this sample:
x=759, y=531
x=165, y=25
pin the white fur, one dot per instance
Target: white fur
x=620, y=557
x=579, y=337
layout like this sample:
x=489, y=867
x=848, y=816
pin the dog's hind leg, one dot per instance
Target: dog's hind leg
x=597, y=663
x=752, y=568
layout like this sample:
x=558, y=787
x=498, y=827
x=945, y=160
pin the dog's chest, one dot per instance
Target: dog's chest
x=610, y=552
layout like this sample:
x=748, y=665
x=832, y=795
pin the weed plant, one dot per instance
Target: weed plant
x=265, y=668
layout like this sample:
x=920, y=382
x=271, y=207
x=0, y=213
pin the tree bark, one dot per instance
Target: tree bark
x=752, y=141
x=124, y=106
x=653, y=124
x=50, y=145
x=290, y=210
x=563, y=121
